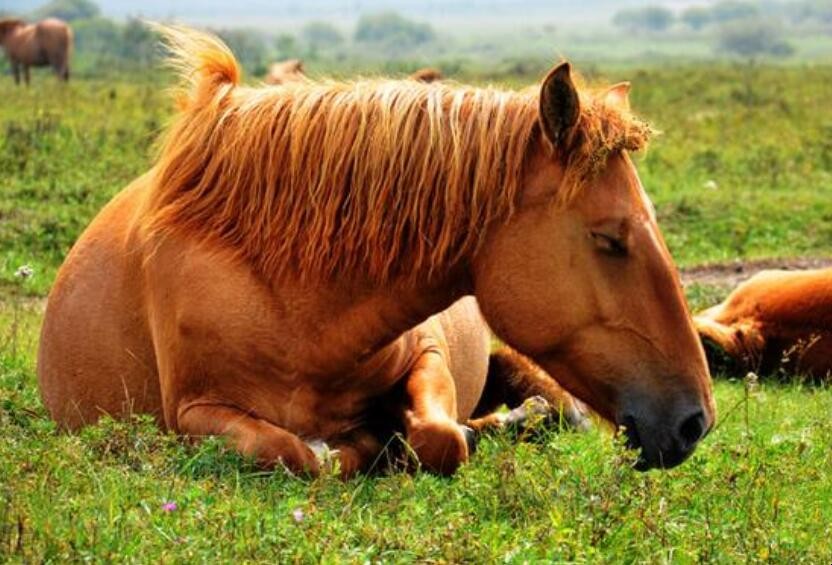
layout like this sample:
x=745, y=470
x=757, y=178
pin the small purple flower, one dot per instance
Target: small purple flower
x=298, y=515
x=169, y=507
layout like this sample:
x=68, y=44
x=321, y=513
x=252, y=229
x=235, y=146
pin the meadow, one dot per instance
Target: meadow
x=742, y=170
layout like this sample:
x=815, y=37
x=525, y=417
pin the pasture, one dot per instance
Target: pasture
x=743, y=170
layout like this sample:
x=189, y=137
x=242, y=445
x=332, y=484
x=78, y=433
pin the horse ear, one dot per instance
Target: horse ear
x=618, y=95
x=560, y=106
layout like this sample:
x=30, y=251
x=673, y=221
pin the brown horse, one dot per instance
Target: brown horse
x=260, y=281
x=428, y=74
x=46, y=43
x=775, y=319
x=290, y=70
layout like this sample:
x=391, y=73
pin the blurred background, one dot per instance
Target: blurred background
x=467, y=38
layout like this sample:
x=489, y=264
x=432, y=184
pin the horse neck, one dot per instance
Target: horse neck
x=364, y=318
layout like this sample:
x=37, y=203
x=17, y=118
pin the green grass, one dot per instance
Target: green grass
x=758, y=489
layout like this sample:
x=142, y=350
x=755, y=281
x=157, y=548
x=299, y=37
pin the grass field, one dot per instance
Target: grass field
x=742, y=170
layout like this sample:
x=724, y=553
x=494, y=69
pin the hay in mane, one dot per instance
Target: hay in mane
x=380, y=179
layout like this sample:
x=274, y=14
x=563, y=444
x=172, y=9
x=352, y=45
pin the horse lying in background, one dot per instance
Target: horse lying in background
x=776, y=319
x=290, y=70
x=46, y=43
x=263, y=280
x=428, y=74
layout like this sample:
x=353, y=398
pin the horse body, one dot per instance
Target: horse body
x=287, y=358
x=427, y=74
x=46, y=43
x=775, y=318
x=277, y=282
x=290, y=70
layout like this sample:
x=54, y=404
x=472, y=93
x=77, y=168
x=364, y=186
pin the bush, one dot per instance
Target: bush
x=753, y=38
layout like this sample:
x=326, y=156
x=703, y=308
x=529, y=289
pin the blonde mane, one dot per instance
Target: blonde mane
x=381, y=179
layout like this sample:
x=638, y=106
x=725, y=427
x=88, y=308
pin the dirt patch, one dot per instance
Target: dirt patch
x=733, y=273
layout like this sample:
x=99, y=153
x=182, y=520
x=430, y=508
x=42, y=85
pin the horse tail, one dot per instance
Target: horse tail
x=207, y=69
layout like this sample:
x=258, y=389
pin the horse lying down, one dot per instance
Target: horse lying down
x=275, y=278
x=774, y=320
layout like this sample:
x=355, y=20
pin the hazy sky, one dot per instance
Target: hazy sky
x=289, y=13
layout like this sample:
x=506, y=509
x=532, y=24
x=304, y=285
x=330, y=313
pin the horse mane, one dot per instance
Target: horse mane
x=374, y=178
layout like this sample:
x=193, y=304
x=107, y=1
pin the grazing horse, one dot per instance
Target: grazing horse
x=260, y=281
x=290, y=70
x=775, y=319
x=37, y=45
x=428, y=74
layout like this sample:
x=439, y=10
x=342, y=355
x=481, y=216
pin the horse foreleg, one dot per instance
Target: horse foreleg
x=429, y=416
x=16, y=71
x=517, y=382
x=26, y=77
x=268, y=444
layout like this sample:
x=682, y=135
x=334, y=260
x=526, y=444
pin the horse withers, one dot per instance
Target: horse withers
x=774, y=320
x=46, y=43
x=260, y=282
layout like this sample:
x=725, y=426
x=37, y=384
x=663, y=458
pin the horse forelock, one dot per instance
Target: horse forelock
x=381, y=179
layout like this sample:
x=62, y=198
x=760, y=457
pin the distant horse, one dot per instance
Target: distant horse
x=263, y=280
x=37, y=45
x=776, y=319
x=427, y=74
x=290, y=70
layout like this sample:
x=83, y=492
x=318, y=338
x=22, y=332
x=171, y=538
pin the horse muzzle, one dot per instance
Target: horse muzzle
x=666, y=441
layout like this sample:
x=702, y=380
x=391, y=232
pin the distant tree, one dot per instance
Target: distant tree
x=68, y=10
x=651, y=18
x=98, y=36
x=139, y=42
x=286, y=46
x=696, y=17
x=753, y=38
x=730, y=10
x=392, y=29
x=320, y=35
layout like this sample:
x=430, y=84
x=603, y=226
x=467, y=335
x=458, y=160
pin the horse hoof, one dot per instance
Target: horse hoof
x=470, y=439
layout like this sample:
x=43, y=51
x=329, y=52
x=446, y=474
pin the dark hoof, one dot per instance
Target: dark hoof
x=470, y=439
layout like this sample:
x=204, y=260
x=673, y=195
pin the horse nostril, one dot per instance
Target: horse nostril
x=692, y=429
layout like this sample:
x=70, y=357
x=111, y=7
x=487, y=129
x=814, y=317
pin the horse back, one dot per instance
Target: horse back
x=54, y=40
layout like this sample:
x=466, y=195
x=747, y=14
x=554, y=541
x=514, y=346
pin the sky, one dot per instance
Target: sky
x=285, y=14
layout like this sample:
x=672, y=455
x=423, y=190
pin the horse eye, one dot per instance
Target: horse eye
x=609, y=244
